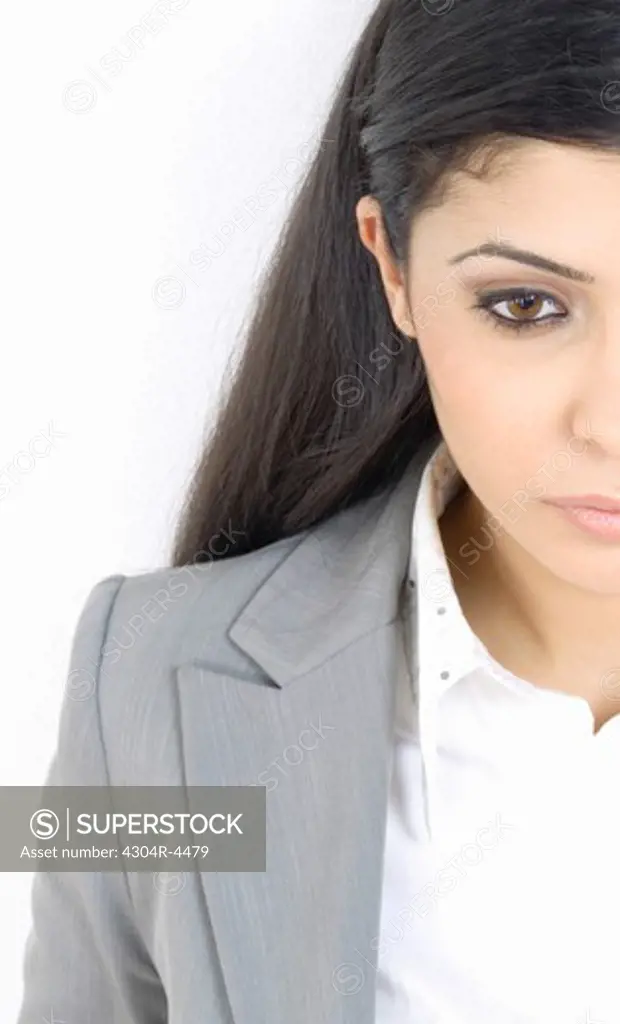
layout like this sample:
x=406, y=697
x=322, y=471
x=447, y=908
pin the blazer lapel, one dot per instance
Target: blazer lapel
x=298, y=942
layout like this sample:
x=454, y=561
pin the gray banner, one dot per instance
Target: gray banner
x=132, y=828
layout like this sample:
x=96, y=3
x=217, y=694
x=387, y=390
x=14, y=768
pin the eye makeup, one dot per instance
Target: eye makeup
x=535, y=304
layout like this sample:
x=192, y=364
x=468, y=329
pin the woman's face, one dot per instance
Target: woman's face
x=526, y=389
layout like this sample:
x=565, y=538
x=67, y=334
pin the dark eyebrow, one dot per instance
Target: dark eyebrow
x=523, y=256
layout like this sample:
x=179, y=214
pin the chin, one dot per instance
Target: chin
x=594, y=571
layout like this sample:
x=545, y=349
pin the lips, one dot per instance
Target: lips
x=591, y=513
x=597, y=502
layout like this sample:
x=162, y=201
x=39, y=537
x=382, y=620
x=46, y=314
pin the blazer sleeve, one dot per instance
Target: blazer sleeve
x=84, y=958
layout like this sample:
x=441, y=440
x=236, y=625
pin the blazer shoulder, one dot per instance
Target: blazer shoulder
x=166, y=615
x=230, y=582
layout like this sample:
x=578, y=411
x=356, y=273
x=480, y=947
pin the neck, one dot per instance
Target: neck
x=538, y=626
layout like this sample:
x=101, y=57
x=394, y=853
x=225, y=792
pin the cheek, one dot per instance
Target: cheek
x=470, y=385
x=495, y=419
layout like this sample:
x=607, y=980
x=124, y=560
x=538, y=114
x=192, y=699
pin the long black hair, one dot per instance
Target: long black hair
x=330, y=401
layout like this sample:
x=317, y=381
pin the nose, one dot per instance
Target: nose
x=599, y=401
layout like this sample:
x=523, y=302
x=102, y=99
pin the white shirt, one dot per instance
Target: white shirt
x=501, y=891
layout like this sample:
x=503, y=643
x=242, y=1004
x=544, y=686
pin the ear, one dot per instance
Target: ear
x=373, y=236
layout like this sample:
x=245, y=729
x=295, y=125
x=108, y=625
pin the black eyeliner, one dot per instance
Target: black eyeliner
x=490, y=298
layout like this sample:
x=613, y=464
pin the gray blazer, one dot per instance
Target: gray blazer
x=273, y=668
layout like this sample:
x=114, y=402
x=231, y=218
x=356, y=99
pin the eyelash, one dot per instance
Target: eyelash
x=489, y=299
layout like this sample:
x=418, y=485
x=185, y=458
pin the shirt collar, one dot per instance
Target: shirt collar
x=445, y=648
x=440, y=664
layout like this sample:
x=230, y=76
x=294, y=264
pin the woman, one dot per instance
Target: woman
x=394, y=595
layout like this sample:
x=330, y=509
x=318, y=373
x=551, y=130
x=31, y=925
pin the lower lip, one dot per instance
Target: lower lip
x=593, y=521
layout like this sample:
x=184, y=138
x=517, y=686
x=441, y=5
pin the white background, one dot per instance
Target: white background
x=113, y=174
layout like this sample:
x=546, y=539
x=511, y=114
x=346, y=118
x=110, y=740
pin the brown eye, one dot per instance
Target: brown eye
x=519, y=307
x=525, y=307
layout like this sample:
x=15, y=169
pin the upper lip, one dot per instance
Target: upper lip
x=597, y=501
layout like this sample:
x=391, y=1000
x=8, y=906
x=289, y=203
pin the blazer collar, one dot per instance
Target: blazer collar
x=342, y=580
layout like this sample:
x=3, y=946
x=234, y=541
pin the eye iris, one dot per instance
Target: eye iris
x=525, y=307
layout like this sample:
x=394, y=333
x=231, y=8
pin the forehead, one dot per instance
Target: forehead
x=560, y=200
